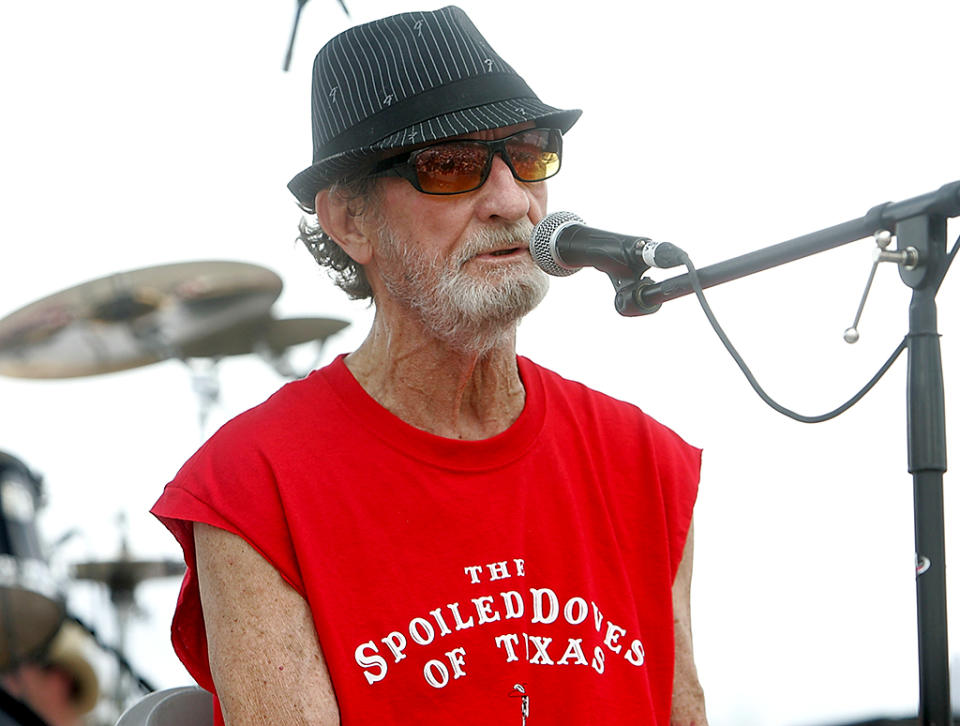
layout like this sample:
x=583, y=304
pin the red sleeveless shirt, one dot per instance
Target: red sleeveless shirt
x=522, y=579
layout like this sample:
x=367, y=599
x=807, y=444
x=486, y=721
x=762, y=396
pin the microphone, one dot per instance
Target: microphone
x=561, y=244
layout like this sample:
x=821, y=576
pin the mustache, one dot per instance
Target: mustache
x=516, y=234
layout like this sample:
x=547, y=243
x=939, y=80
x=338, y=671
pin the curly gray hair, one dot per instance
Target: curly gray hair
x=359, y=193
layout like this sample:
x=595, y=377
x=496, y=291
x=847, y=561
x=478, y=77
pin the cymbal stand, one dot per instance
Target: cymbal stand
x=121, y=588
x=281, y=361
x=205, y=378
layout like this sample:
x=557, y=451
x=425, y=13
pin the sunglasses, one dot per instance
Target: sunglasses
x=456, y=167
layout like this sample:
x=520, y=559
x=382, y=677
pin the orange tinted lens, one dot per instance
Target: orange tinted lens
x=451, y=168
x=535, y=155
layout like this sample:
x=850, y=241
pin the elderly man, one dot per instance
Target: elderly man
x=431, y=529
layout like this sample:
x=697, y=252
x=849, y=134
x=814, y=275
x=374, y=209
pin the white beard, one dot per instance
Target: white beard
x=470, y=313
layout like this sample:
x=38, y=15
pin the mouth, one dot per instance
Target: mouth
x=504, y=252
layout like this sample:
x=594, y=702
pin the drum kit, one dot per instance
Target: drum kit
x=193, y=311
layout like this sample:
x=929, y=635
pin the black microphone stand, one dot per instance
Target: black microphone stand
x=920, y=225
x=293, y=34
x=296, y=22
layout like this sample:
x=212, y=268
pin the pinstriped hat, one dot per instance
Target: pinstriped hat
x=405, y=80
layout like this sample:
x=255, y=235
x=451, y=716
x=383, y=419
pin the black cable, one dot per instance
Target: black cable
x=698, y=289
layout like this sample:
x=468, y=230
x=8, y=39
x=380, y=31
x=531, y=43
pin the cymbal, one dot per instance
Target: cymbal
x=274, y=335
x=125, y=574
x=131, y=319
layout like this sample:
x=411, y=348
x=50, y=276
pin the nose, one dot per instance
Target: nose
x=502, y=197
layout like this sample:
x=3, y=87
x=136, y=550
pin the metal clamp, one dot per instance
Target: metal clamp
x=907, y=258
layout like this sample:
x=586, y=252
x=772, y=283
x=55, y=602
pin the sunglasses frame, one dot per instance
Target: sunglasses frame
x=402, y=165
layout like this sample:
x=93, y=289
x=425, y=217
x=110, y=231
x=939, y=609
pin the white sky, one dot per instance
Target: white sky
x=135, y=134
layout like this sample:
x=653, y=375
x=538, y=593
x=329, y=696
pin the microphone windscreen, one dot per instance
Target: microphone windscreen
x=543, y=243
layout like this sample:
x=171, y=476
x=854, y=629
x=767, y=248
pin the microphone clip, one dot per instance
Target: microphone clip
x=623, y=260
x=627, y=299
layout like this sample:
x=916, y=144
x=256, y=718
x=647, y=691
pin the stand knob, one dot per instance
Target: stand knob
x=907, y=258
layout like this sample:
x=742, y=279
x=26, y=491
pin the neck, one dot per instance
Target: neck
x=438, y=388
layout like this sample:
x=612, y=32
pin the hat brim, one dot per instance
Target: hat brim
x=324, y=172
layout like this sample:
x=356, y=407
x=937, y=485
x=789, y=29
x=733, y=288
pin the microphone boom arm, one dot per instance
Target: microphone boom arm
x=945, y=202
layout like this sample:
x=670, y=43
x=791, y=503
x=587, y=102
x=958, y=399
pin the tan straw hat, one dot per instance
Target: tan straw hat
x=67, y=652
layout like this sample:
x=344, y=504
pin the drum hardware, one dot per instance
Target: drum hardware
x=122, y=576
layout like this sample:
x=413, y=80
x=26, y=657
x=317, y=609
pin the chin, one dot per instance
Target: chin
x=479, y=316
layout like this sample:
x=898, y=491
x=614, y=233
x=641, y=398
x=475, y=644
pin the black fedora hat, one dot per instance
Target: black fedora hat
x=408, y=79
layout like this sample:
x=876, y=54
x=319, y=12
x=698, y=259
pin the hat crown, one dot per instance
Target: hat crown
x=370, y=68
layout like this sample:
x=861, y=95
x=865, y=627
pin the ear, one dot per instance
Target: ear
x=342, y=226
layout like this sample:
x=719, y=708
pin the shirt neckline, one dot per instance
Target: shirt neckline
x=440, y=451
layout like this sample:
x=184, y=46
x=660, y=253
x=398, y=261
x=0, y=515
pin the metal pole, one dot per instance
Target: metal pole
x=927, y=461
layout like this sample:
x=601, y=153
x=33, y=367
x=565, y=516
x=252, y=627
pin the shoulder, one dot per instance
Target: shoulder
x=597, y=415
x=554, y=384
x=567, y=393
x=242, y=456
x=294, y=407
x=292, y=401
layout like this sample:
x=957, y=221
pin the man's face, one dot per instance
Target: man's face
x=461, y=263
x=46, y=689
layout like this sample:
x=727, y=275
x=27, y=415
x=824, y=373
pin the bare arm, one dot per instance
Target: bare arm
x=264, y=655
x=688, y=707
